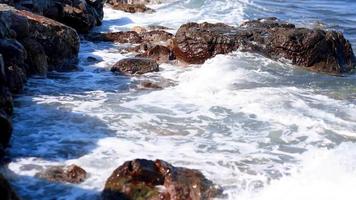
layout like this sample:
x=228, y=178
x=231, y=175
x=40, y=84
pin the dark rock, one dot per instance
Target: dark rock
x=6, y=192
x=157, y=27
x=120, y=37
x=37, y=58
x=316, y=50
x=70, y=174
x=79, y=14
x=135, y=66
x=149, y=85
x=138, y=179
x=14, y=55
x=60, y=42
x=29, y=44
x=5, y=129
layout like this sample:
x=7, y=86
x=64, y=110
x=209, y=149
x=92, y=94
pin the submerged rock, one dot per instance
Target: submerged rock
x=69, y=174
x=157, y=180
x=135, y=66
x=6, y=192
x=316, y=50
x=159, y=53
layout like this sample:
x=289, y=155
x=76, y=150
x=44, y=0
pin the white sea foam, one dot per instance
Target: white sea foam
x=257, y=127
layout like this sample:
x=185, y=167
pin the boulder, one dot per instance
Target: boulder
x=135, y=66
x=314, y=49
x=60, y=43
x=6, y=192
x=69, y=174
x=157, y=180
x=79, y=14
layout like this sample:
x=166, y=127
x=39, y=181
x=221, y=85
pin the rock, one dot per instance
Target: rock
x=157, y=37
x=37, y=58
x=29, y=44
x=79, y=14
x=120, y=37
x=316, y=50
x=159, y=53
x=6, y=192
x=129, y=6
x=141, y=179
x=157, y=27
x=135, y=66
x=69, y=174
x=138, y=29
x=149, y=85
x=59, y=42
x=5, y=129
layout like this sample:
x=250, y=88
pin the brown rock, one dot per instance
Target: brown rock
x=81, y=15
x=70, y=174
x=135, y=66
x=159, y=53
x=120, y=37
x=131, y=7
x=138, y=179
x=316, y=50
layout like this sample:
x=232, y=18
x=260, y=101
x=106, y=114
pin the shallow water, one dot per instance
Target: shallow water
x=261, y=129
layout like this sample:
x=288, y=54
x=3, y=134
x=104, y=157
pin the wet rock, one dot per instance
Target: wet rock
x=153, y=180
x=149, y=85
x=6, y=191
x=14, y=55
x=69, y=174
x=5, y=129
x=79, y=14
x=120, y=37
x=59, y=42
x=159, y=53
x=135, y=66
x=316, y=50
x=157, y=37
x=157, y=27
x=37, y=58
x=130, y=6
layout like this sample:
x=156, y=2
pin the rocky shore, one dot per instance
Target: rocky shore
x=41, y=36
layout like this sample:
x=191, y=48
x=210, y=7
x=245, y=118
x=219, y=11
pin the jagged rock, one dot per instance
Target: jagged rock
x=316, y=50
x=141, y=179
x=6, y=192
x=135, y=66
x=69, y=174
x=79, y=14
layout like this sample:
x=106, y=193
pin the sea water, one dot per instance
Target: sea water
x=261, y=129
